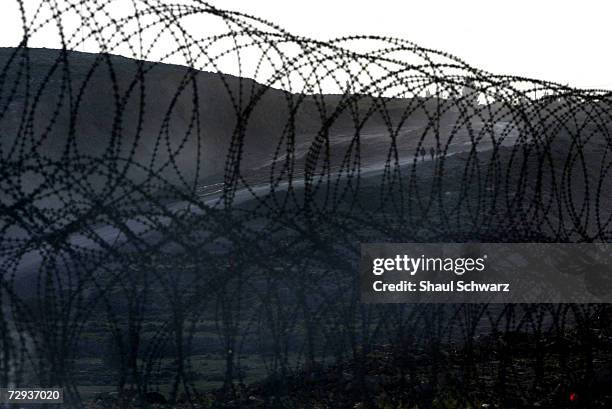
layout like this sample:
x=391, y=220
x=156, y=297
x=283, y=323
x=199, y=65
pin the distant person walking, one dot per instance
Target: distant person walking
x=432, y=152
x=423, y=153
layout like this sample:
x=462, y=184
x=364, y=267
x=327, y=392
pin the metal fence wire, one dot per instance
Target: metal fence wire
x=181, y=208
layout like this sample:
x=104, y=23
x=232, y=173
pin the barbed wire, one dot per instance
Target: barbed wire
x=198, y=185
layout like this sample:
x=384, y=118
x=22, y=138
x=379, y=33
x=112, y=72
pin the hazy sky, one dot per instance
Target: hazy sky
x=557, y=40
x=562, y=41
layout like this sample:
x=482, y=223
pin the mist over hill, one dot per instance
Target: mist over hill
x=148, y=119
x=81, y=130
